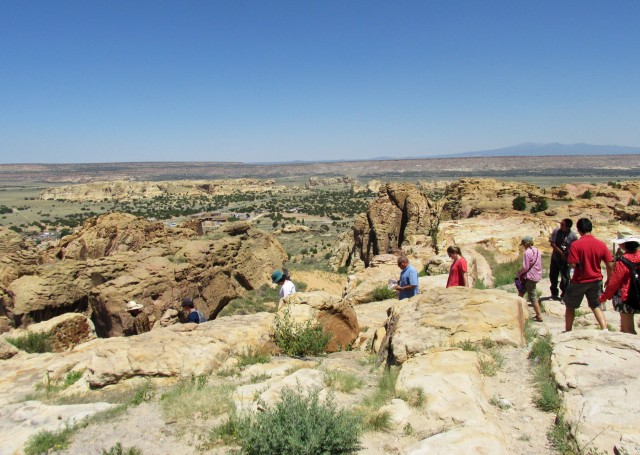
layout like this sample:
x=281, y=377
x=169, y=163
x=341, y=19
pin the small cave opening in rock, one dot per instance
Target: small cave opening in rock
x=44, y=314
x=101, y=320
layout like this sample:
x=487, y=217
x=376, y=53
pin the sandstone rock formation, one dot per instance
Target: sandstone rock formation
x=121, y=190
x=596, y=372
x=454, y=315
x=66, y=331
x=336, y=317
x=115, y=258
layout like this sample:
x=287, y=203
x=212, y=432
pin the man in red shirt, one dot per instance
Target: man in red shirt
x=585, y=258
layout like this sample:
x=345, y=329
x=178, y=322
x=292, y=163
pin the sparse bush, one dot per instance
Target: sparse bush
x=297, y=339
x=519, y=203
x=540, y=206
x=343, y=381
x=586, y=195
x=300, y=423
x=32, y=342
x=383, y=292
x=378, y=421
x=251, y=356
x=547, y=397
x=479, y=284
x=118, y=450
x=193, y=397
x=46, y=441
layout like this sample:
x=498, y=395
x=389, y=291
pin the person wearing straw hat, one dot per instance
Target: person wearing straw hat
x=530, y=274
x=619, y=284
x=585, y=258
x=141, y=322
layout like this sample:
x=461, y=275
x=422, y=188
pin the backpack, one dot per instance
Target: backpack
x=633, y=298
x=201, y=317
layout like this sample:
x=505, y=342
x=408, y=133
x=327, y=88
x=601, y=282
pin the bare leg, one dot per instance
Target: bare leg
x=597, y=312
x=626, y=323
x=536, y=308
x=569, y=316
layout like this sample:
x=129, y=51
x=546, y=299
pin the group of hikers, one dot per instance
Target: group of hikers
x=574, y=273
x=577, y=263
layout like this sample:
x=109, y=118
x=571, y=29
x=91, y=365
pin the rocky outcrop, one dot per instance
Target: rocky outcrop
x=116, y=258
x=121, y=190
x=444, y=317
x=336, y=317
x=66, y=331
x=20, y=421
x=457, y=400
x=596, y=372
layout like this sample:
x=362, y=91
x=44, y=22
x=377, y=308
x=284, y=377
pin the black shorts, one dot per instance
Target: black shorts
x=577, y=291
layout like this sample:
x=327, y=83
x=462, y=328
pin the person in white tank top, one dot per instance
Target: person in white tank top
x=286, y=285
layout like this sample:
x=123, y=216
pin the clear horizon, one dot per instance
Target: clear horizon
x=249, y=81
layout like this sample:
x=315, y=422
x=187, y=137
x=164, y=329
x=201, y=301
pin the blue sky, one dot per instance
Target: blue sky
x=108, y=80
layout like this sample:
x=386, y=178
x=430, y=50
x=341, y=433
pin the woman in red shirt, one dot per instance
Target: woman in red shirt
x=458, y=273
x=618, y=285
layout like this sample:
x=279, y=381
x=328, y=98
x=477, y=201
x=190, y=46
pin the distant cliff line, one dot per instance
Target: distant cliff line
x=607, y=166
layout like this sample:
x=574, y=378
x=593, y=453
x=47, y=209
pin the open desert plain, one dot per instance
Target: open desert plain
x=341, y=365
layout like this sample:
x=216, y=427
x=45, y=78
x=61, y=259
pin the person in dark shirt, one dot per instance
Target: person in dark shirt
x=560, y=241
x=193, y=315
x=141, y=322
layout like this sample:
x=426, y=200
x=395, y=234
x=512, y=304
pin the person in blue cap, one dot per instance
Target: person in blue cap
x=284, y=280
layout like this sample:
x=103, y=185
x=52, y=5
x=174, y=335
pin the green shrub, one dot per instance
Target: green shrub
x=383, y=292
x=343, y=381
x=45, y=441
x=479, y=284
x=118, y=450
x=251, y=356
x=540, y=206
x=586, y=195
x=32, y=342
x=299, y=423
x=547, y=397
x=298, y=339
x=519, y=203
x=378, y=421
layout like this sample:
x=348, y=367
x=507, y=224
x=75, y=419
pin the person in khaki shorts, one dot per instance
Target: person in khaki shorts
x=585, y=258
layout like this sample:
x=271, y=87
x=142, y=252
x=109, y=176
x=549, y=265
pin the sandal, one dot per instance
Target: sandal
x=537, y=319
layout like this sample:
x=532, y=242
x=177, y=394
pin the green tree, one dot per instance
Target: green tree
x=519, y=203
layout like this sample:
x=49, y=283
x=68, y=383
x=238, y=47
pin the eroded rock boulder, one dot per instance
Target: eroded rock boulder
x=596, y=371
x=337, y=317
x=444, y=317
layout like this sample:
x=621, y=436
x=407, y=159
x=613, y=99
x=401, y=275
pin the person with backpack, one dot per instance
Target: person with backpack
x=193, y=315
x=623, y=286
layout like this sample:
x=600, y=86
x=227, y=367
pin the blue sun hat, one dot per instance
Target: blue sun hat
x=276, y=276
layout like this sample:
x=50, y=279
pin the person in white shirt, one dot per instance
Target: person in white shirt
x=284, y=280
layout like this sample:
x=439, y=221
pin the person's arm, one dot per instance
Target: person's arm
x=465, y=279
x=525, y=264
x=609, y=265
x=614, y=280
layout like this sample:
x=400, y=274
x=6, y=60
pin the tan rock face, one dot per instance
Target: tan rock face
x=456, y=396
x=453, y=315
x=67, y=330
x=597, y=373
x=120, y=190
x=116, y=258
x=337, y=317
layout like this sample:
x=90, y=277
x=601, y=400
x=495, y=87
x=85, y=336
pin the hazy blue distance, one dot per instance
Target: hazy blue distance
x=100, y=81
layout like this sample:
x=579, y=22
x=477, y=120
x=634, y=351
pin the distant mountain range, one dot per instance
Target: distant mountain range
x=532, y=149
